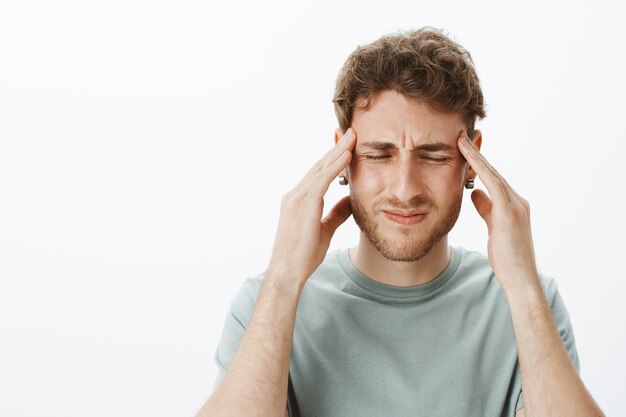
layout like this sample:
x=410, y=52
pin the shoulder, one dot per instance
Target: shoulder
x=475, y=269
x=246, y=296
x=244, y=300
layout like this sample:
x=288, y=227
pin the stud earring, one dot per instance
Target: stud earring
x=469, y=183
x=343, y=180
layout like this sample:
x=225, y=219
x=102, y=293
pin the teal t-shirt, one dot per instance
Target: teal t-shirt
x=362, y=348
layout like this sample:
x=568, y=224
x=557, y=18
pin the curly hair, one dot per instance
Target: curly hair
x=423, y=65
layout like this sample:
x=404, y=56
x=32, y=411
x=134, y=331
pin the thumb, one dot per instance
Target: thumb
x=483, y=205
x=337, y=215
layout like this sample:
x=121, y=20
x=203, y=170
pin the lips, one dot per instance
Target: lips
x=404, y=213
x=411, y=220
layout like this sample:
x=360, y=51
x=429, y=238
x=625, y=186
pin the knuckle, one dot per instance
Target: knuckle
x=320, y=176
x=287, y=198
x=520, y=213
x=319, y=165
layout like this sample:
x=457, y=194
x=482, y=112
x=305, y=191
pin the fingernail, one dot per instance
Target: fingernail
x=347, y=132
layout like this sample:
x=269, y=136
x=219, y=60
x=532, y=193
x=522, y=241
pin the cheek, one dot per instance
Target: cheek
x=367, y=176
x=450, y=174
x=450, y=183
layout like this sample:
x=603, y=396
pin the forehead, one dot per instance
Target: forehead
x=408, y=124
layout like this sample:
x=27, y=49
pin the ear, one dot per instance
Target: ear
x=478, y=140
x=338, y=136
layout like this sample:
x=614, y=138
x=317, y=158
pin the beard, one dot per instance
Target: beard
x=402, y=243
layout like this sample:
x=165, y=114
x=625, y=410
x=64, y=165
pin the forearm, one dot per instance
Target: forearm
x=256, y=381
x=550, y=383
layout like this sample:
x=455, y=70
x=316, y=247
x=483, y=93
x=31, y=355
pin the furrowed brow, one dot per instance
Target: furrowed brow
x=434, y=147
x=385, y=146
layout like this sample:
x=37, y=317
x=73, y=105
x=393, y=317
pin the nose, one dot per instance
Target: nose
x=406, y=181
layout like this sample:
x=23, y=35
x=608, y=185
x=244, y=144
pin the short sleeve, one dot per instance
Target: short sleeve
x=237, y=319
x=563, y=325
x=232, y=332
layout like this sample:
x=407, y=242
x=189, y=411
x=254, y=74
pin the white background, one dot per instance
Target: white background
x=145, y=146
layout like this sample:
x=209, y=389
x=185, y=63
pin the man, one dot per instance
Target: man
x=402, y=324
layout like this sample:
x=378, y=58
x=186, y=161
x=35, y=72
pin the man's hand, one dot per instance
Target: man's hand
x=507, y=214
x=303, y=237
x=550, y=382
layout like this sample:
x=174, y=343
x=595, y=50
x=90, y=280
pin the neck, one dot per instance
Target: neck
x=371, y=263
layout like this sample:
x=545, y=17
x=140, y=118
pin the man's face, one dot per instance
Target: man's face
x=406, y=175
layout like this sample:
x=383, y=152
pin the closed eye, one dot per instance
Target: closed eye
x=428, y=158
x=435, y=159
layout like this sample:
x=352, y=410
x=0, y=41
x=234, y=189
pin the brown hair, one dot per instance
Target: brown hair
x=422, y=65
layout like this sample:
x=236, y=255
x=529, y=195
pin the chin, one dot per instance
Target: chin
x=404, y=249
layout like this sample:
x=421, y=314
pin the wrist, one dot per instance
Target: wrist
x=527, y=295
x=523, y=282
x=284, y=280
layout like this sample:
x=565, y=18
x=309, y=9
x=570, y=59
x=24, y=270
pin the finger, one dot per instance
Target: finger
x=483, y=206
x=498, y=188
x=346, y=142
x=337, y=215
x=511, y=193
x=320, y=182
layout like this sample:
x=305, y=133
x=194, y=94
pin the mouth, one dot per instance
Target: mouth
x=404, y=213
x=405, y=218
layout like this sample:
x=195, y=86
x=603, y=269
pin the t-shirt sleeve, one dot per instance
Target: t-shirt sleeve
x=232, y=332
x=237, y=319
x=563, y=325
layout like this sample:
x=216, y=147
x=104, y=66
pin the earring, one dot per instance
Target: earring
x=343, y=180
x=469, y=183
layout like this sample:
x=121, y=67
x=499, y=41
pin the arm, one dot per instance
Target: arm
x=550, y=382
x=256, y=380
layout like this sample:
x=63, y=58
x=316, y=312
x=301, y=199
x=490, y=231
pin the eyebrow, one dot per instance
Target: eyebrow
x=427, y=147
